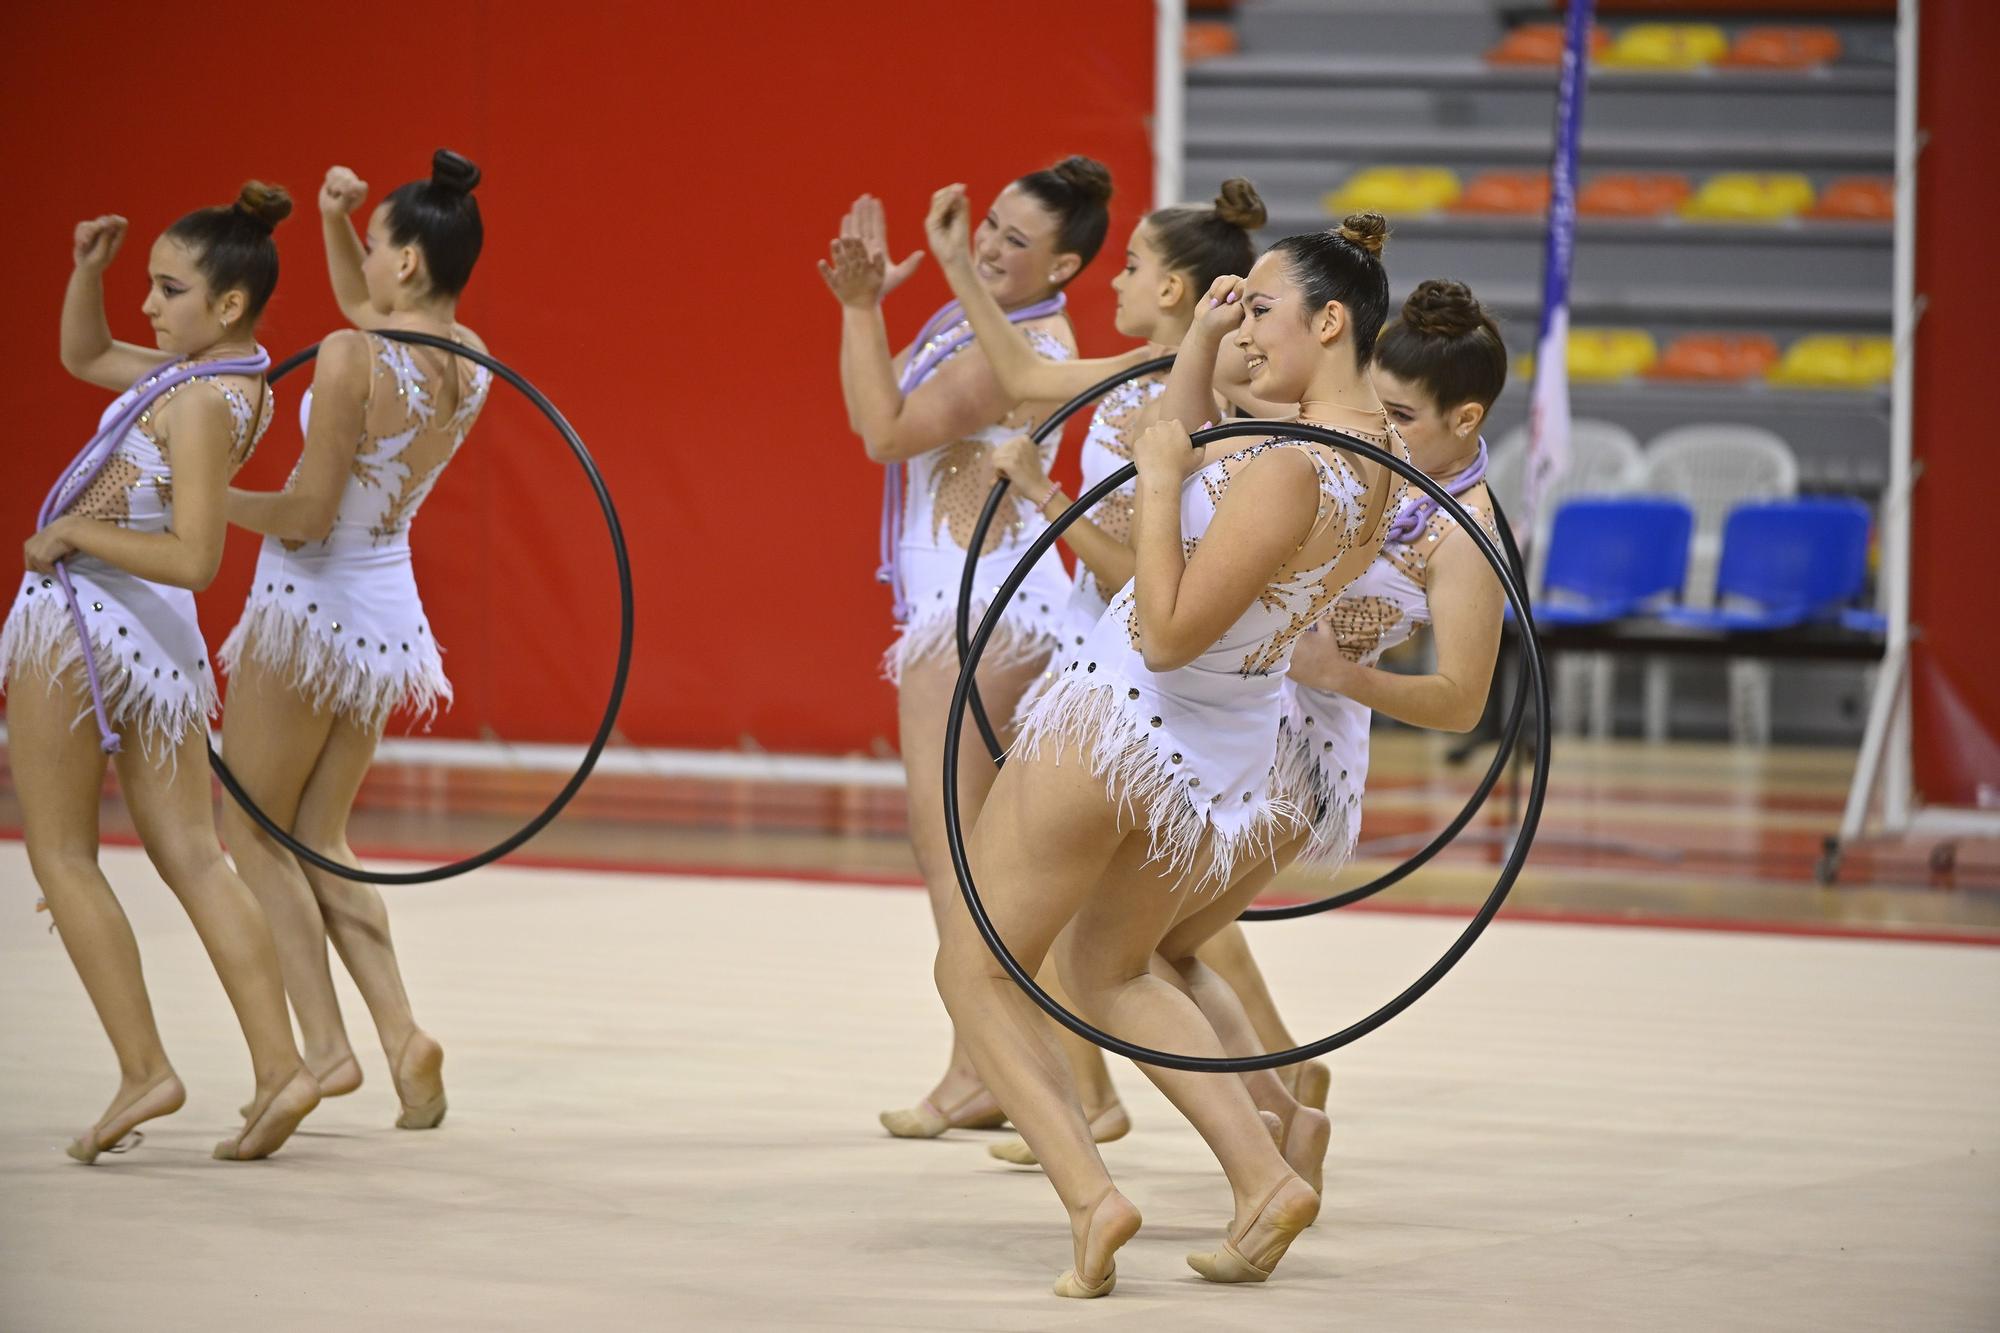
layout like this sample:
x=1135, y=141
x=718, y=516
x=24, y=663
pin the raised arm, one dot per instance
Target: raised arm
x=1465, y=602
x=339, y=195
x=1024, y=374
x=89, y=352
x=1186, y=604
x=304, y=511
x=197, y=430
x=1232, y=385
x=1190, y=395
x=960, y=398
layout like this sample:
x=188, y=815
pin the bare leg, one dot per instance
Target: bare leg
x=1227, y=953
x=1099, y=1098
x=1038, y=851
x=171, y=805
x=272, y=738
x=1304, y=1132
x=923, y=703
x=358, y=922
x=59, y=776
x=1109, y=959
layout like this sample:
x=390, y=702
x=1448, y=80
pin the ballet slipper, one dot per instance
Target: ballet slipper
x=281, y=1115
x=421, y=1061
x=926, y=1121
x=164, y=1097
x=1312, y=1081
x=1113, y=1221
x=1107, y=1126
x=1304, y=1146
x=341, y=1077
x=1287, y=1210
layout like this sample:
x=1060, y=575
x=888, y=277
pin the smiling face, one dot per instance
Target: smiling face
x=1015, y=253
x=1149, y=294
x=1282, y=343
x=187, y=318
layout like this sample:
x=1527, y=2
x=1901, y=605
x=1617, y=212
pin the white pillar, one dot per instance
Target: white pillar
x=1169, y=98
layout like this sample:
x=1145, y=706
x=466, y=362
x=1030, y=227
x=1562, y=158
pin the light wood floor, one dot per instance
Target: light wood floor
x=663, y=1098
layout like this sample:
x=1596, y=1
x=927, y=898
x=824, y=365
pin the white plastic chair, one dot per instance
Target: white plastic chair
x=1716, y=467
x=1604, y=459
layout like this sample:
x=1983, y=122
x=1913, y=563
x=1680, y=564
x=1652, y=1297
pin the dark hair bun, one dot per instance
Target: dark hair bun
x=1240, y=205
x=1367, y=230
x=1441, y=308
x=1087, y=176
x=268, y=204
x=449, y=171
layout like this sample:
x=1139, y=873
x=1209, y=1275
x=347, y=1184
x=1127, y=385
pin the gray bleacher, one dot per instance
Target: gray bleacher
x=1322, y=88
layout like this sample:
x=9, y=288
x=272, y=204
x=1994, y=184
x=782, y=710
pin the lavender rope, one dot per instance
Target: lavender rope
x=1410, y=521
x=922, y=365
x=84, y=469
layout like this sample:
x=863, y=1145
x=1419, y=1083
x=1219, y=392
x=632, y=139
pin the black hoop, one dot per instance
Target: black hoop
x=1530, y=818
x=283, y=836
x=1510, y=733
x=986, y=516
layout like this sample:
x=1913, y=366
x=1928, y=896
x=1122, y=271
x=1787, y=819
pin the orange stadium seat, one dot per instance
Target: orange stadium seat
x=1506, y=193
x=1666, y=46
x=1750, y=196
x=1610, y=354
x=1857, y=199
x=1835, y=361
x=1783, y=48
x=1716, y=357
x=1633, y=195
x=1539, y=44
x=1394, y=190
x=1205, y=39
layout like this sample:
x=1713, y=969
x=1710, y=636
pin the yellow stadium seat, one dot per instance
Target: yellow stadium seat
x=1666, y=46
x=1834, y=361
x=1750, y=196
x=1610, y=354
x=1394, y=191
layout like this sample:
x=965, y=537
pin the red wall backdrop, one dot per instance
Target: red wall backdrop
x=1954, y=595
x=659, y=182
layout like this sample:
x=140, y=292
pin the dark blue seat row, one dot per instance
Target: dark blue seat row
x=1784, y=563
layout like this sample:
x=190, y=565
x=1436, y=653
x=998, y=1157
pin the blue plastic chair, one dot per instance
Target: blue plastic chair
x=1611, y=555
x=1785, y=562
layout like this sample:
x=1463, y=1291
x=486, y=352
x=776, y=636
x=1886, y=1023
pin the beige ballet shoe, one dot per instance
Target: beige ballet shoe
x=163, y=1098
x=1107, y=1126
x=1314, y=1081
x=1304, y=1146
x=926, y=1121
x=341, y=1077
x=420, y=1061
x=1287, y=1210
x=1113, y=1221
x=268, y=1132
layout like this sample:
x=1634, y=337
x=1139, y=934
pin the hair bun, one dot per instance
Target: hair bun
x=1087, y=176
x=1442, y=308
x=450, y=171
x=1367, y=230
x=1240, y=205
x=267, y=204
